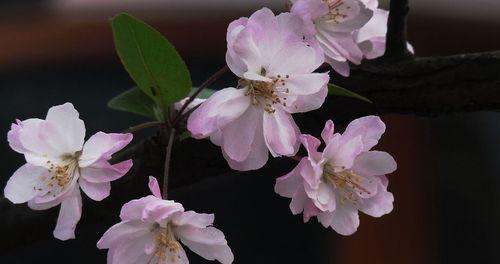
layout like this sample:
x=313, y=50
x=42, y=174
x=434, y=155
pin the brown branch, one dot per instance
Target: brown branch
x=396, y=31
x=429, y=86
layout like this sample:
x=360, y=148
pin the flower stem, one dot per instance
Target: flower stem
x=168, y=154
x=204, y=85
x=142, y=126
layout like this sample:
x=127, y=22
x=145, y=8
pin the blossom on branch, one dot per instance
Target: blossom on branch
x=332, y=23
x=59, y=163
x=151, y=228
x=346, y=177
x=275, y=66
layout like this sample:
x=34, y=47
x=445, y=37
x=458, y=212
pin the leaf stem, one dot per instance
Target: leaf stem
x=142, y=126
x=204, y=85
x=168, y=154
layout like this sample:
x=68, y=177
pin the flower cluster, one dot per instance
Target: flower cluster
x=346, y=177
x=278, y=60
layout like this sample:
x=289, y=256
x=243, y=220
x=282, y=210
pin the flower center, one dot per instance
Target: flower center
x=165, y=240
x=267, y=94
x=337, y=11
x=60, y=175
x=347, y=182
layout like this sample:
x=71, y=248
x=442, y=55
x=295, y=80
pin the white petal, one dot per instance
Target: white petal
x=207, y=242
x=69, y=216
x=95, y=191
x=102, y=146
x=375, y=163
x=70, y=128
x=21, y=186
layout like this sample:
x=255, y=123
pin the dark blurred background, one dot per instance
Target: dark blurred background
x=447, y=207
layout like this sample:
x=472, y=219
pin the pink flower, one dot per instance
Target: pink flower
x=151, y=229
x=332, y=23
x=275, y=66
x=346, y=177
x=59, y=163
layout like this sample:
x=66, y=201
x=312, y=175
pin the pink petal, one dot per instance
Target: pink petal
x=341, y=67
x=102, y=171
x=327, y=133
x=381, y=203
x=208, y=242
x=281, y=133
x=221, y=108
x=311, y=145
x=307, y=84
x=101, y=146
x=296, y=57
x=376, y=27
x=129, y=251
x=191, y=218
x=288, y=184
x=238, y=135
x=341, y=152
x=68, y=126
x=154, y=187
x=298, y=200
x=345, y=220
x=69, y=216
x=257, y=157
x=306, y=103
x=21, y=186
x=357, y=16
x=310, y=9
x=121, y=232
x=13, y=137
x=95, y=191
x=325, y=198
x=43, y=206
x=370, y=128
x=375, y=163
x=133, y=210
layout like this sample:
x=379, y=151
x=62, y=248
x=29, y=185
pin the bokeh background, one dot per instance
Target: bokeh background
x=447, y=207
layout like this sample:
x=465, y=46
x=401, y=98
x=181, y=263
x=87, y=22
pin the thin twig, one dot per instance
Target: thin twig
x=142, y=126
x=168, y=154
x=204, y=85
x=296, y=157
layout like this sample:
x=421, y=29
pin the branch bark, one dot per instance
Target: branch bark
x=429, y=86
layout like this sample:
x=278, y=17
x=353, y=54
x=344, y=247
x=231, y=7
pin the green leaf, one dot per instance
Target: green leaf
x=150, y=59
x=134, y=101
x=184, y=135
x=340, y=91
x=207, y=92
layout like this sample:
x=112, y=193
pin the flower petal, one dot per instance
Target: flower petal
x=207, y=242
x=21, y=186
x=69, y=215
x=257, y=157
x=220, y=109
x=375, y=163
x=327, y=133
x=191, y=218
x=121, y=232
x=68, y=126
x=370, y=128
x=154, y=187
x=239, y=135
x=341, y=153
x=307, y=84
x=345, y=220
x=281, y=133
x=129, y=251
x=13, y=137
x=101, y=146
x=306, y=103
x=95, y=191
x=102, y=171
x=288, y=184
x=381, y=203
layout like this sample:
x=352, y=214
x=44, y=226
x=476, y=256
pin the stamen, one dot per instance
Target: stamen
x=335, y=14
x=347, y=182
x=267, y=94
x=165, y=240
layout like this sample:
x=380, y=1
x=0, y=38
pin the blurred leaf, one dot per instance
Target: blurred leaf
x=184, y=135
x=207, y=92
x=340, y=91
x=151, y=60
x=134, y=101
